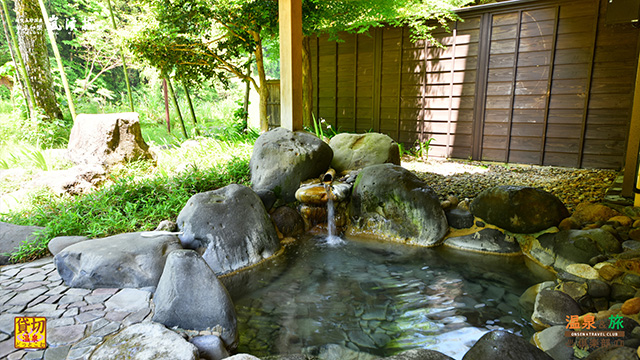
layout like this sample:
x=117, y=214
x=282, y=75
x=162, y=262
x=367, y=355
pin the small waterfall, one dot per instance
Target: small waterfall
x=332, y=239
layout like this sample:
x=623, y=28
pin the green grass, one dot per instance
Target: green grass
x=130, y=204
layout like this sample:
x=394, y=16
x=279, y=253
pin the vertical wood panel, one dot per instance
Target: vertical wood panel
x=552, y=58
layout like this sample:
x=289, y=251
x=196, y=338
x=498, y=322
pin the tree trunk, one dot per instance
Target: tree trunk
x=307, y=83
x=31, y=40
x=263, y=90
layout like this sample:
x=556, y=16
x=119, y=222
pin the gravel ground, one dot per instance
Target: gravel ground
x=465, y=179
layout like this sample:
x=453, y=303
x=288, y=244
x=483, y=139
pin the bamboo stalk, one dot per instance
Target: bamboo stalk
x=14, y=39
x=5, y=20
x=175, y=103
x=56, y=52
x=124, y=64
x=166, y=104
x=191, y=109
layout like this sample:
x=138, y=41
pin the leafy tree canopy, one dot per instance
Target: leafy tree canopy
x=203, y=39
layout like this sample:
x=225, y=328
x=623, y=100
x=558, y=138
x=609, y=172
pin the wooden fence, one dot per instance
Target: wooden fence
x=544, y=82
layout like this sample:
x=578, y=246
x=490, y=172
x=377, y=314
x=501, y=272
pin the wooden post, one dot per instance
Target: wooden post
x=631, y=160
x=290, y=15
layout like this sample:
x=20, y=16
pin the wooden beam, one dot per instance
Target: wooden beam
x=290, y=17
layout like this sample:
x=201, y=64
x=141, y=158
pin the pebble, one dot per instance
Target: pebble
x=631, y=306
x=466, y=179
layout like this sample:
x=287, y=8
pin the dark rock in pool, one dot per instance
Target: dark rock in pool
x=519, y=209
x=504, y=346
x=419, y=354
x=459, y=218
x=552, y=308
x=281, y=159
x=391, y=202
x=613, y=353
x=485, y=241
x=191, y=297
x=288, y=221
x=229, y=227
x=573, y=246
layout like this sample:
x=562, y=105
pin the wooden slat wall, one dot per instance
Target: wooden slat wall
x=544, y=83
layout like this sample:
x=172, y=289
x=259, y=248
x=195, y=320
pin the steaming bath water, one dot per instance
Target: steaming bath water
x=324, y=299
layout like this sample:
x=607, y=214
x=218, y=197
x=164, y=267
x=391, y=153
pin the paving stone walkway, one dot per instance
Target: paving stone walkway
x=77, y=319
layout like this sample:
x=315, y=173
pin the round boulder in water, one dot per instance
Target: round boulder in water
x=519, y=209
x=505, y=346
x=355, y=151
x=281, y=159
x=229, y=227
x=391, y=202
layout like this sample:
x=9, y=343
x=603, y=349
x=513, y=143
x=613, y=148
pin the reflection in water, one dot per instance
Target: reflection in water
x=378, y=298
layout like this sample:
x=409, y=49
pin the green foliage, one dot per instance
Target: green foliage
x=128, y=205
x=321, y=129
x=333, y=16
x=203, y=39
x=422, y=148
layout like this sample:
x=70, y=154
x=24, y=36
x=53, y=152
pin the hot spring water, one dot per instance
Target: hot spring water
x=324, y=296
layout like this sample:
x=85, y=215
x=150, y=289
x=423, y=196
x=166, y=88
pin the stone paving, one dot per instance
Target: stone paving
x=77, y=319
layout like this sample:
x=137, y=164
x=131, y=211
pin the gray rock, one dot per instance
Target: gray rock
x=355, y=151
x=504, y=346
x=191, y=297
x=282, y=159
x=393, y=203
x=229, y=227
x=107, y=139
x=485, y=241
x=459, y=218
x=128, y=300
x=59, y=243
x=12, y=236
x=125, y=260
x=268, y=198
x=551, y=337
x=575, y=246
x=519, y=209
x=419, y=354
x=242, y=357
x=613, y=353
x=145, y=341
x=552, y=308
x=210, y=347
x=622, y=292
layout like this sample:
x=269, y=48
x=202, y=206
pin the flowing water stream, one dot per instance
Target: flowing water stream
x=326, y=298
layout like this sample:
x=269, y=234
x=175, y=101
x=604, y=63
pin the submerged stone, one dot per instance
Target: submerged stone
x=489, y=241
x=505, y=346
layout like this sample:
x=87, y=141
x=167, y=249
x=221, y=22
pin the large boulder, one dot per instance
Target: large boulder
x=519, y=209
x=553, y=308
x=229, y=227
x=126, y=260
x=355, y=151
x=391, y=202
x=282, y=159
x=190, y=296
x=12, y=236
x=145, y=341
x=107, y=139
x=504, y=345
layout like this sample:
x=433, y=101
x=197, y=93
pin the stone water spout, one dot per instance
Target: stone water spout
x=316, y=193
